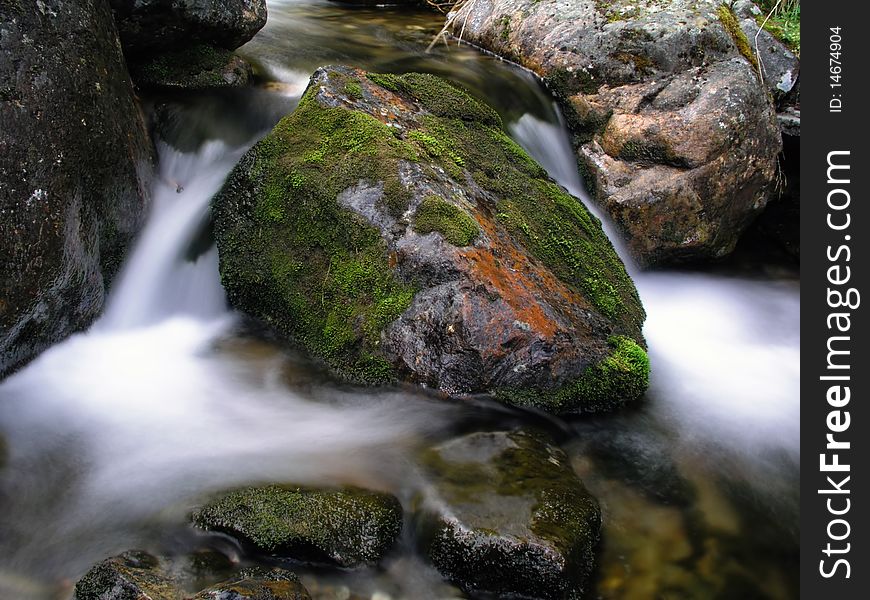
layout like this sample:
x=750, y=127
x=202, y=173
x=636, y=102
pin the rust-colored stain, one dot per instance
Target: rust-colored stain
x=521, y=282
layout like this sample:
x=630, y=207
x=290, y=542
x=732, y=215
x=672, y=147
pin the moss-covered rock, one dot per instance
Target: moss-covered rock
x=393, y=229
x=197, y=67
x=348, y=527
x=675, y=136
x=130, y=576
x=507, y=516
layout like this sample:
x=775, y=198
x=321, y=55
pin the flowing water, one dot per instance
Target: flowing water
x=112, y=436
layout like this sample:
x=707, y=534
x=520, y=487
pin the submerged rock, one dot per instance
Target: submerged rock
x=75, y=165
x=393, y=229
x=136, y=575
x=676, y=136
x=509, y=517
x=158, y=25
x=257, y=584
x=130, y=576
x=348, y=528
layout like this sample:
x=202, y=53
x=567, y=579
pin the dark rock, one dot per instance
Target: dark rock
x=193, y=68
x=392, y=228
x=75, y=165
x=509, y=517
x=348, y=528
x=790, y=121
x=257, y=584
x=149, y=26
x=677, y=81
x=130, y=576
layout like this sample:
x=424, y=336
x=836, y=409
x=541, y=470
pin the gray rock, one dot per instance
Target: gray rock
x=779, y=66
x=149, y=26
x=75, y=166
x=675, y=78
x=392, y=228
x=507, y=516
x=348, y=528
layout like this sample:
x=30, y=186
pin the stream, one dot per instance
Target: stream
x=113, y=435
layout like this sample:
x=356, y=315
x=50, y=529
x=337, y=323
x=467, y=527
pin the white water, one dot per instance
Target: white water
x=724, y=351
x=157, y=406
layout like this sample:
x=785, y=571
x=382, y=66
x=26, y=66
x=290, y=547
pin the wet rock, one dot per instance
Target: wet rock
x=75, y=165
x=257, y=584
x=391, y=227
x=130, y=576
x=348, y=528
x=675, y=134
x=509, y=517
x=153, y=26
x=193, y=68
x=137, y=575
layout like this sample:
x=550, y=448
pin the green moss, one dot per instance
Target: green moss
x=623, y=376
x=650, y=152
x=349, y=527
x=438, y=96
x=315, y=269
x=200, y=66
x=436, y=214
x=732, y=26
x=505, y=24
x=353, y=89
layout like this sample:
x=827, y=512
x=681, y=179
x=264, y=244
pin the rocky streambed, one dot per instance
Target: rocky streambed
x=375, y=340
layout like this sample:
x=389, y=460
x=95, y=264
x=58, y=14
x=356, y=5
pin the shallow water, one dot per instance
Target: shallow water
x=115, y=434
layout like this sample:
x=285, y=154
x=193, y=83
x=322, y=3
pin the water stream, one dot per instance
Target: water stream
x=114, y=434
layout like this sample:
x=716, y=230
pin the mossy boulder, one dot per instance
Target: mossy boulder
x=348, y=527
x=672, y=126
x=197, y=67
x=392, y=228
x=507, y=516
x=75, y=168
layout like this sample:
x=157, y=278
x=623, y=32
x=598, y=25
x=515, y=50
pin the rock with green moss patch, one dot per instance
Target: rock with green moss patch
x=348, y=527
x=673, y=129
x=394, y=230
x=130, y=576
x=198, y=67
x=507, y=516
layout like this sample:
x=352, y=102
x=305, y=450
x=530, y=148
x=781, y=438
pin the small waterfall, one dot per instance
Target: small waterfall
x=160, y=279
x=724, y=350
x=550, y=145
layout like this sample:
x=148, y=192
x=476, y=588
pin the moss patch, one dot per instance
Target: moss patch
x=732, y=26
x=200, y=66
x=438, y=96
x=436, y=214
x=623, y=376
x=348, y=527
